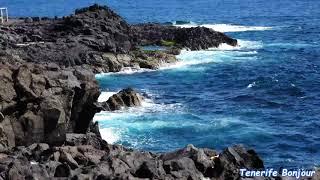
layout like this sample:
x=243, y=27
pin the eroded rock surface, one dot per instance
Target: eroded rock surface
x=48, y=97
x=43, y=103
x=47, y=65
x=125, y=98
x=98, y=38
x=195, y=38
x=95, y=159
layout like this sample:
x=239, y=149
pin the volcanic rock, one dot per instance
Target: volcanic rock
x=125, y=98
x=114, y=161
x=195, y=38
x=98, y=38
x=48, y=98
x=41, y=105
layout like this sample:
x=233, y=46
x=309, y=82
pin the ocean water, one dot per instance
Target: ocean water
x=264, y=94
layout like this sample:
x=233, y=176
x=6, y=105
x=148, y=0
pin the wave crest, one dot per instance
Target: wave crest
x=246, y=50
x=226, y=27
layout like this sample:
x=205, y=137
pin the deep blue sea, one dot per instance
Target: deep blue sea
x=264, y=94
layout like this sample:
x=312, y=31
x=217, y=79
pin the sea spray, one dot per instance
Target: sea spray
x=226, y=27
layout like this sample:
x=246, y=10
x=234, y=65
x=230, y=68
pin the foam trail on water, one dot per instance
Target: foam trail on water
x=113, y=125
x=224, y=53
x=242, y=45
x=120, y=126
x=147, y=105
x=125, y=71
x=227, y=27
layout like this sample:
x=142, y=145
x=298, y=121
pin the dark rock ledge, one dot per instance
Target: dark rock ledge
x=86, y=156
x=98, y=38
x=48, y=98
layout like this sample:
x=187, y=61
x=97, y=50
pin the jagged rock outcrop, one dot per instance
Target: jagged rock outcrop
x=98, y=28
x=43, y=103
x=93, y=35
x=92, y=158
x=196, y=38
x=48, y=97
x=89, y=157
x=125, y=98
x=109, y=62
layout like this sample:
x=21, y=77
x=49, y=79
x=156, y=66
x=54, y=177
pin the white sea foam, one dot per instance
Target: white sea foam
x=122, y=124
x=124, y=71
x=251, y=85
x=227, y=27
x=111, y=135
x=147, y=106
x=223, y=122
x=104, y=96
x=118, y=120
x=188, y=58
x=116, y=125
x=242, y=45
x=224, y=53
x=291, y=45
x=246, y=50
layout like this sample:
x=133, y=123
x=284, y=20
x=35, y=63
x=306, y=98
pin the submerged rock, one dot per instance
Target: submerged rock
x=125, y=98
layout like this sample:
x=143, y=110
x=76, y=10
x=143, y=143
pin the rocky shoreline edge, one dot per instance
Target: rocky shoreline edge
x=48, y=98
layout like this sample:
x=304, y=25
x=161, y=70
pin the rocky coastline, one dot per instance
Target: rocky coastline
x=48, y=98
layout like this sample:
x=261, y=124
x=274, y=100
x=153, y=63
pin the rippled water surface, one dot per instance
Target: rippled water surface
x=264, y=93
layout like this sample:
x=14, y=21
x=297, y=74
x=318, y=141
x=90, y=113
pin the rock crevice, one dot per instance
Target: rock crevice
x=38, y=105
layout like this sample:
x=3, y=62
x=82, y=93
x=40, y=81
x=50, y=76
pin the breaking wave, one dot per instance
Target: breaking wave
x=114, y=125
x=225, y=27
x=246, y=50
x=125, y=71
